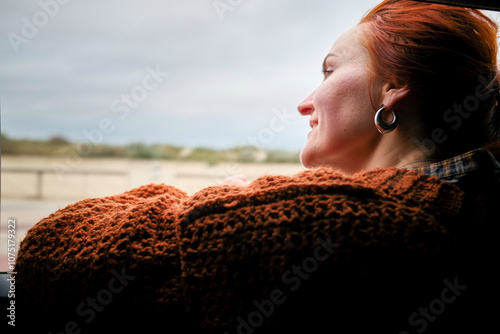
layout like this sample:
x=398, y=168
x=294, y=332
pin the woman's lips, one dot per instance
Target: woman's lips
x=313, y=125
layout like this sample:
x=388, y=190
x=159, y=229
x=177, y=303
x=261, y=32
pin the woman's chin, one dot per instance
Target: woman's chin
x=307, y=158
x=311, y=158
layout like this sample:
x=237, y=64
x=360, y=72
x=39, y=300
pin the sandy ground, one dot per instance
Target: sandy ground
x=28, y=197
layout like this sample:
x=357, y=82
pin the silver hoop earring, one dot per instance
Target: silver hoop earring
x=382, y=126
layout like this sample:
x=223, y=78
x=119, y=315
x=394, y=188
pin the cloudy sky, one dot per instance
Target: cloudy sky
x=185, y=72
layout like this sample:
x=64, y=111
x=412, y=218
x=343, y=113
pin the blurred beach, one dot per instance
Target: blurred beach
x=34, y=187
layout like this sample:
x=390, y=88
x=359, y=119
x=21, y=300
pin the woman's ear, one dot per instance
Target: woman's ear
x=391, y=96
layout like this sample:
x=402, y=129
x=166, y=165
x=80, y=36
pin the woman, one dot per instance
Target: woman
x=436, y=76
x=393, y=229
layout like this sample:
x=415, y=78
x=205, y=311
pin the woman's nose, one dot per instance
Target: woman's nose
x=306, y=107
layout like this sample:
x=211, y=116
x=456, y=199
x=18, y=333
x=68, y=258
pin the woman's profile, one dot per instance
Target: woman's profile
x=392, y=228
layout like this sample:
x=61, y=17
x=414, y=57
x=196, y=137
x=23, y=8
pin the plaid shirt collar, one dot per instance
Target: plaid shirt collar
x=452, y=170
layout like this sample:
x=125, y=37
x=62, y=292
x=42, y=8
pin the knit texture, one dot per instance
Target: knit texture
x=285, y=253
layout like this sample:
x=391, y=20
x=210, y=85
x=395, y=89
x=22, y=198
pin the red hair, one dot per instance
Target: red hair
x=443, y=54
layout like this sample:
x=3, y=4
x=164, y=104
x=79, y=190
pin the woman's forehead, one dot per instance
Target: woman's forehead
x=348, y=46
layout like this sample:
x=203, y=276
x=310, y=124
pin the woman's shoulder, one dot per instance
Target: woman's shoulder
x=364, y=208
x=391, y=186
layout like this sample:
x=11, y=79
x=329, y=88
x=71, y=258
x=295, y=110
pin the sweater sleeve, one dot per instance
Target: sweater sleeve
x=101, y=258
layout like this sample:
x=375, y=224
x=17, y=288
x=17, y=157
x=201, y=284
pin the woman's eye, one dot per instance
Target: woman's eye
x=328, y=71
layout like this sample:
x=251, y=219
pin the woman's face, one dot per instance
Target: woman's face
x=343, y=134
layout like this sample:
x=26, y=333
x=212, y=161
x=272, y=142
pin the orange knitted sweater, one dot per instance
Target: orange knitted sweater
x=304, y=253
